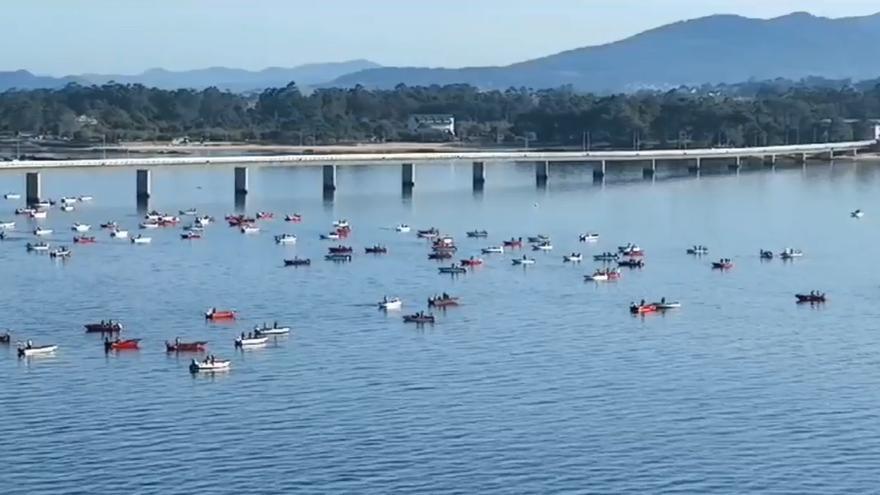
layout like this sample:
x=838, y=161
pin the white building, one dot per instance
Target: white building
x=432, y=123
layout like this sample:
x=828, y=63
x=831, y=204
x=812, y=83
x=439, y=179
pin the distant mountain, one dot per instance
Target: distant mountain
x=715, y=49
x=222, y=77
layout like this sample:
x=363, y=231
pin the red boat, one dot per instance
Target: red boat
x=472, y=262
x=122, y=345
x=104, y=327
x=265, y=215
x=643, y=309
x=83, y=240
x=341, y=250
x=343, y=231
x=295, y=218
x=238, y=220
x=215, y=315
x=514, y=243
x=442, y=302
x=178, y=346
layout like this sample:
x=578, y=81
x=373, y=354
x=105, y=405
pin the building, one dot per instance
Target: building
x=432, y=124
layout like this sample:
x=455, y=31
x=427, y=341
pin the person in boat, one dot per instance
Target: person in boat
x=642, y=303
x=242, y=335
x=177, y=341
x=30, y=344
x=275, y=324
x=212, y=359
x=445, y=296
x=662, y=300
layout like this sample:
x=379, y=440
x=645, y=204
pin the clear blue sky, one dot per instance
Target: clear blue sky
x=128, y=36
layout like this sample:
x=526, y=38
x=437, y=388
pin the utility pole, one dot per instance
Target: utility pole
x=104, y=145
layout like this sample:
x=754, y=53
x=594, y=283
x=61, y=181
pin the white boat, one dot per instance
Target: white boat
x=402, y=228
x=597, y=277
x=119, y=234
x=152, y=217
x=141, y=240
x=493, y=250
x=85, y=198
x=205, y=220
x=81, y=227
x=32, y=350
x=573, y=258
x=249, y=229
x=857, y=214
x=341, y=224
x=589, y=237
x=42, y=231
x=39, y=247
x=7, y=225
x=544, y=246
x=39, y=214
x=61, y=252
x=67, y=201
x=43, y=204
x=149, y=225
x=271, y=331
x=188, y=213
x=789, y=253
x=285, y=239
x=169, y=219
x=12, y=196
x=197, y=366
x=523, y=261
x=391, y=304
x=251, y=342
x=668, y=305
x=332, y=236
x=67, y=208
x=24, y=211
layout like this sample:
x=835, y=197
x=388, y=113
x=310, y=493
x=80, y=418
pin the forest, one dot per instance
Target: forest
x=685, y=117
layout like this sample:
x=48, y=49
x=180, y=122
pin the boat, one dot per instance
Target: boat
x=298, y=262
x=12, y=196
x=67, y=201
x=250, y=341
x=191, y=235
x=249, y=229
x=195, y=227
x=540, y=238
x=341, y=250
x=402, y=228
x=265, y=215
x=544, y=246
x=698, y=250
x=477, y=234
x=85, y=198
x=598, y=276
x=141, y=240
x=341, y=224
x=39, y=246
x=178, y=346
x=81, y=227
x=428, y=234
x=513, y=243
x=722, y=265
x=60, y=252
x=84, y=240
x=338, y=257
x=39, y=214
x=663, y=305
x=104, y=327
x=5, y=338
x=39, y=231
x=122, y=345
x=7, y=225
x=633, y=252
x=766, y=255
x=332, y=236
x=631, y=263
x=588, y=237
x=607, y=257
x=857, y=214
x=472, y=261
x=377, y=249
x=419, y=317
x=285, y=239
x=811, y=298
x=214, y=314
x=153, y=216
x=295, y=218
x=523, y=261
x=32, y=350
x=168, y=221
x=443, y=301
x=109, y=225
x=643, y=309
x=442, y=255
x=573, y=258
x=43, y=204
x=24, y=211
x=209, y=365
x=65, y=208
x=119, y=234
x=267, y=331
x=151, y=224
x=188, y=213
x=204, y=220
x=452, y=269
x=239, y=220
x=389, y=304
x=788, y=254
x=493, y=250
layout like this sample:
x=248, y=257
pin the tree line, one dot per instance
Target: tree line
x=685, y=117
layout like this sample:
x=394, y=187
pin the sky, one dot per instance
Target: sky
x=60, y=37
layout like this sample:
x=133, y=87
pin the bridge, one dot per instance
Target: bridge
x=600, y=161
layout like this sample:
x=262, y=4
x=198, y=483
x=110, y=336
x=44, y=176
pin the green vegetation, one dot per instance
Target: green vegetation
x=767, y=115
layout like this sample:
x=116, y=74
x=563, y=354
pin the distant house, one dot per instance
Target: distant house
x=85, y=120
x=432, y=124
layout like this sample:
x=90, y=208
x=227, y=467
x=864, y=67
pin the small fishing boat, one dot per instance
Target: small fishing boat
x=195, y=227
x=122, y=345
x=39, y=214
x=332, y=236
x=523, y=261
x=376, y=249
x=242, y=342
x=789, y=254
x=472, y=261
x=338, y=257
x=109, y=225
x=5, y=338
x=402, y=228
x=249, y=229
x=7, y=225
x=40, y=231
x=428, y=234
x=178, y=346
x=24, y=211
x=168, y=221
x=477, y=234
x=81, y=227
x=389, y=304
x=267, y=331
x=150, y=224
x=209, y=365
x=493, y=250
x=84, y=240
x=452, y=270
x=67, y=201
x=29, y=349
x=607, y=257
x=104, y=327
x=119, y=234
x=37, y=247
x=341, y=250
x=285, y=239
x=443, y=301
x=214, y=314
x=239, y=220
x=766, y=254
x=298, y=262
x=153, y=216
x=698, y=250
x=46, y=204
x=265, y=215
x=419, y=317
x=188, y=213
x=66, y=208
x=141, y=240
x=603, y=275
x=12, y=196
x=643, y=309
x=440, y=255
x=634, y=252
x=544, y=246
x=60, y=252
x=588, y=237
x=513, y=243
x=722, y=265
x=631, y=263
x=664, y=306
x=295, y=218
x=573, y=258
x=812, y=298
x=190, y=235
x=538, y=239
x=204, y=220
x=857, y=214
x=85, y=198
x=341, y=224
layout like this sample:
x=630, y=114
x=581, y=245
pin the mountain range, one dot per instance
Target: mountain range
x=714, y=49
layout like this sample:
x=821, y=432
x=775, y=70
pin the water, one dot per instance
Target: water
x=538, y=383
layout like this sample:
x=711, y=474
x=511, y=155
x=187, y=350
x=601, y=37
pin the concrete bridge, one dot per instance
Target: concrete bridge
x=600, y=161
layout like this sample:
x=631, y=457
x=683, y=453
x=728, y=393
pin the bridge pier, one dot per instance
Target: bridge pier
x=696, y=168
x=542, y=173
x=599, y=173
x=735, y=167
x=648, y=172
x=33, y=188
x=144, y=184
x=241, y=180
x=479, y=174
x=329, y=178
x=407, y=176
